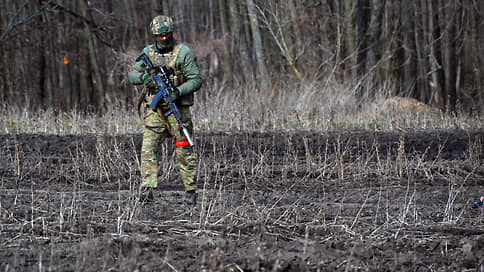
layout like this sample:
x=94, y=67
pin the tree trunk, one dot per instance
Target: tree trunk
x=247, y=30
x=227, y=63
x=211, y=20
x=97, y=94
x=3, y=76
x=95, y=71
x=155, y=7
x=86, y=92
x=350, y=44
x=193, y=19
x=298, y=45
x=241, y=42
x=362, y=20
x=51, y=66
x=67, y=82
x=426, y=44
x=258, y=47
x=374, y=42
x=67, y=75
x=6, y=61
x=129, y=13
x=435, y=59
x=450, y=39
x=18, y=61
x=165, y=7
x=478, y=64
x=421, y=86
x=409, y=51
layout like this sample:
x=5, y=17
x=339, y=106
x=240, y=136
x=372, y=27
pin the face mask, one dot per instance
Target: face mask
x=164, y=44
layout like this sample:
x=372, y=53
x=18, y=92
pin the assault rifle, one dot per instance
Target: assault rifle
x=165, y=90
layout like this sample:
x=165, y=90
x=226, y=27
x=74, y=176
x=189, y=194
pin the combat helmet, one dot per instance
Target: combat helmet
x=162, y=25
x=162, y=28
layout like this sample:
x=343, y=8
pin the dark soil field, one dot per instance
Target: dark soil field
x=296, y=201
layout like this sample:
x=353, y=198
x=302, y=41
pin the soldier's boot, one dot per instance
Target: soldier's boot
x=146, y=195
x=190, y=198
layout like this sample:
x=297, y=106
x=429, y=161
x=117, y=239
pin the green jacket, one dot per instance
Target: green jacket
x=185, y=72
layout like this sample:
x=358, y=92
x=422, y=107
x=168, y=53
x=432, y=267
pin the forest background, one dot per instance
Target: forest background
x=75, y=55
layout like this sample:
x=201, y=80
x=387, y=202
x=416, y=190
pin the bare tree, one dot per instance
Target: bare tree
x=409, y=61
x=374, y=42
x=295, y=29
x=241, y=45
x=450, y=49
x=274, y=20
x=46, y=66
x=349, y=39
x=478, y=63
x=95, y=70
x=165, y=8
x=362, y=21
x=224, y=22
x=419, y=11
x=258, y=47
x=435, y=57
x=5, y=77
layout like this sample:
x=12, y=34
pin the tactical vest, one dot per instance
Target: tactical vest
x=169, y=60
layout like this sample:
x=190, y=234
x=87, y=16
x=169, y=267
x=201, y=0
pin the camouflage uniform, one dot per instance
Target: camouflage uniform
x=185, y=74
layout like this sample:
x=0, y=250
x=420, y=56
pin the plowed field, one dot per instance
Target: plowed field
x=296, y=201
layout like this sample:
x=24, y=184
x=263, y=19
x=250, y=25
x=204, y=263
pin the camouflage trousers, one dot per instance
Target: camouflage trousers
x=156, y=129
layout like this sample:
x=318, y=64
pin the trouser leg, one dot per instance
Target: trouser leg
x=187, y=160
x=153, y=133
x=149, y=161
x=187, y=163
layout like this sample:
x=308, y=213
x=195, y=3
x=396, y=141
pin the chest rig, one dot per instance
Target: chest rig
x=169, y=60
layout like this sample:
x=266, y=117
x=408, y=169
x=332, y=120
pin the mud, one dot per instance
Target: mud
x=295, y=201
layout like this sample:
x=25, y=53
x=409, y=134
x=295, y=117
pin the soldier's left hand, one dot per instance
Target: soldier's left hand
x=175, y=94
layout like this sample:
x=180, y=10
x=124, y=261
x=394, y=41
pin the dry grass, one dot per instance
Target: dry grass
x=311, y=106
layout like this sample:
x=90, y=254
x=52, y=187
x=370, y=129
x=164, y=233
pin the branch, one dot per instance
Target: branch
x=11, y=25
x=49, y=5
x=280, y=40
x=85, y=20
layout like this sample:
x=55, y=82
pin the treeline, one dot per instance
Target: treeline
x=76, y=54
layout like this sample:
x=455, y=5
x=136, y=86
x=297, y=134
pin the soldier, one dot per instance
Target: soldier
x=185, y=74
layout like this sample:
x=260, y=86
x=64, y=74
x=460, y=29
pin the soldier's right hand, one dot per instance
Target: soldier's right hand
x=148, y=80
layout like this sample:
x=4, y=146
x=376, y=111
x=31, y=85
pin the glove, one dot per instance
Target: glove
x=175, y=94
x=148, y=80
